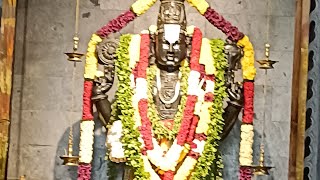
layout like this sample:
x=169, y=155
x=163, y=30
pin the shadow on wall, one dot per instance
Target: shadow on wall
x=229, y=149
x=99, y=169
x=230, y=153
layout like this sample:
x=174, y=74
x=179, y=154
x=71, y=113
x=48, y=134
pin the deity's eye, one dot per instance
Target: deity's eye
x=165, y=46
x=176, y=46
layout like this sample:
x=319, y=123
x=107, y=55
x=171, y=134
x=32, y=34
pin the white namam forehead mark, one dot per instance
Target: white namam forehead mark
x=172, y=32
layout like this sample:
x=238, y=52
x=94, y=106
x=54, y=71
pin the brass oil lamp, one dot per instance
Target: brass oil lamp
x=75, y=56
x=261, y=169
x=266, y=63
x=68, y=158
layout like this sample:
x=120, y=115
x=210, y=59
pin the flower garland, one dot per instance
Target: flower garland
x=216, y=126
x=126, y=112
x=116, y=24
x=151, y=149
x=219, y=22
x=249, y=72
x=141, y=6
x=200, y=5
x=87, y=124
x=190, y=124
x=84, y=172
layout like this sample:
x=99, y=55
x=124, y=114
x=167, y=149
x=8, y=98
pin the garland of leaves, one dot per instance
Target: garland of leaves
x=210, y=154
x=126, y=110
x=159, y=129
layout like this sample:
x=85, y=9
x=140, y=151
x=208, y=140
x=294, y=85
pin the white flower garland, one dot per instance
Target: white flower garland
x=86, y=141
x=113, y=141
x=245, y=154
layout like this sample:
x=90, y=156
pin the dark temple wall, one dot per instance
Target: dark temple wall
x=42, y=110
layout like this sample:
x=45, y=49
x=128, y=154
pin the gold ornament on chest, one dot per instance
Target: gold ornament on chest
x=167, y=93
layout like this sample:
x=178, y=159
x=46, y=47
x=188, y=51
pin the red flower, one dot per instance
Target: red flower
x=168, y=175
x=194, y=155
x=248, y=88
x=245, y=173
x=87, y=103
x=116, y=24
x=84, y=172
x=208, y=97
x=193, y=145
x=144, y=151
x=144, y=56
x=210, y=77
x=193, y=127
x=145, y=129
x=219, y=22
x=196, y=49
x=201, y=137
x=186, y=120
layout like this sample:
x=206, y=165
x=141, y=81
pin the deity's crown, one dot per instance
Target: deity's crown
x=172, y=12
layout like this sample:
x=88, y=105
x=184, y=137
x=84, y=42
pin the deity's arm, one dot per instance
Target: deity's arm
x=234, y=90
x=106, y=51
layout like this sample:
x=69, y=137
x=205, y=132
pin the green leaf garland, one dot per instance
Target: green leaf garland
x=125, y=111
x=210, y=164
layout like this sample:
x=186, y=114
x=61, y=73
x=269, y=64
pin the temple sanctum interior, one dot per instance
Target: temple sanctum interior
x=160, y=90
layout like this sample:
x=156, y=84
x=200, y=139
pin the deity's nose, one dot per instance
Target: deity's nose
x=170, y=48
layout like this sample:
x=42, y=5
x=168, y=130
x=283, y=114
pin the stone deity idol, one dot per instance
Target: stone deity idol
x=168, y=117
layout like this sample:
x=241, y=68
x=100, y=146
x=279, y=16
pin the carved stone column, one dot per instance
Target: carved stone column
x=312, y=134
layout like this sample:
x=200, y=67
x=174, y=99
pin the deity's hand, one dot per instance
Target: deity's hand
x=234, y=54
x=236, y=94
x=234, y=89
x=106, y=52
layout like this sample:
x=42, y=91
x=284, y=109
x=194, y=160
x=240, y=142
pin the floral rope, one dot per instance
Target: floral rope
x=87, y=124
x=126, y=111
x=246, y=143
x=200, y=5
x=245, y=173
x=84, y=172
x=141, y=6
x=248, y=102
x=87, y=103
x=116, y=24
x=210, y=149
x=219, y=22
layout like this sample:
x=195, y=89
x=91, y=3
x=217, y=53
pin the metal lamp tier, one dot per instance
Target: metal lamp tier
x=76, y=56
x=69, y=159
x=266, y=64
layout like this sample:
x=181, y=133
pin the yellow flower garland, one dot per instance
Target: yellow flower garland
x=141, y=6
x=247, y=62
x=201, y=5
x=91, y=57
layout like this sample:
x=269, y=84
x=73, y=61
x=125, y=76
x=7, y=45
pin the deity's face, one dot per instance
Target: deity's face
x=171, y=46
